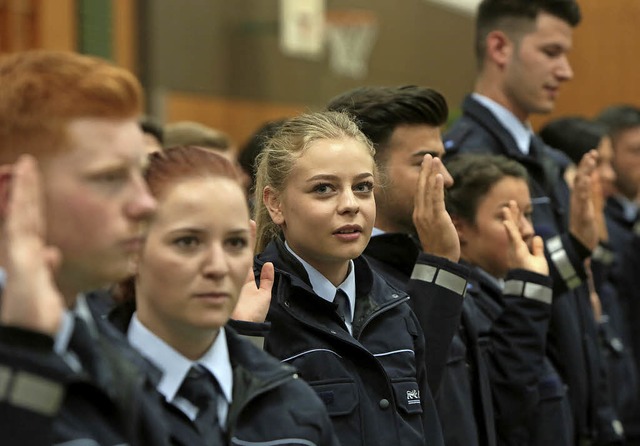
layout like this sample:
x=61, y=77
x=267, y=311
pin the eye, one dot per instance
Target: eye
x=112, y=176
x=364, y=187
x=237, y=243
x=187, y=242
x=553, y=52
x=323, y=188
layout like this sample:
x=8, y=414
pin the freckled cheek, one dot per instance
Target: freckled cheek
x=92, y=223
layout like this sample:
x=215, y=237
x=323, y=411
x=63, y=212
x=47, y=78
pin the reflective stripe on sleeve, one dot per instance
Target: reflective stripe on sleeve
x=440, y=277
x=529, y=290
x=561, y=260
x=31, y=392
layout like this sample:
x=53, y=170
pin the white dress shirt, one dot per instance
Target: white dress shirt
x=326, y=290
x=175, y=366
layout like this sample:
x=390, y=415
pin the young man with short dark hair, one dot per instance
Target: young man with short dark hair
x=522, y=48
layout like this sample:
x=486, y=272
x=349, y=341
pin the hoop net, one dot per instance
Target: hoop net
x=351, y=36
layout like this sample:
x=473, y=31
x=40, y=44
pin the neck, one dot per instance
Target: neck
x=491, y=89
x=189, y=341
x=335, y=274
x=390, y=220
x=69, y=290
x=194, y=347
x=387, y=225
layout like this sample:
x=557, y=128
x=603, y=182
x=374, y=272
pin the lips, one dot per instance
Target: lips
x=211, y=295
x=348, y=233
x=552, y=90
x=216, y=294
x=348, y=229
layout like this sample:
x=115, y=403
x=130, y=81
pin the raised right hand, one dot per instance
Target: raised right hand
x=519, y=254
x=582, y=217
x=30, y=299
x=436, y=231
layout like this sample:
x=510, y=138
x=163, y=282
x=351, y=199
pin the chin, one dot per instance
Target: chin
x=545, y=108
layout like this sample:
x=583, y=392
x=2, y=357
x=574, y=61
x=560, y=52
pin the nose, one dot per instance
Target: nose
x=141, y=204
x=215, y=263
x=607, y=173
x=448, y=179
x=348, y=202
x=564, y=72
x=526, y=228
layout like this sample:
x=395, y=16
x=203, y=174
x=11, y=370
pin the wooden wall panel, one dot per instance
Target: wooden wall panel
x=238, y=118
x=57, y=24
x=604, y=59
x=125, y=45
x=31, y=24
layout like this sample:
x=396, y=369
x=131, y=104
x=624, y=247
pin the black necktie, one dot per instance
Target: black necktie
x=82, y=344
x=343, y=307
x=535, y=146
x=201, y=388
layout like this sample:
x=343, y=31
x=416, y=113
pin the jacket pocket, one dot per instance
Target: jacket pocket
x=340, y=398
x=408, y=398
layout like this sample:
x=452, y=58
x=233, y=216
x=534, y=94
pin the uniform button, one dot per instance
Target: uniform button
x=384, y=403
x=395, y=296
x=286, y=303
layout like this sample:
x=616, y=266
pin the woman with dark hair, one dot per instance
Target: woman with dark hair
x=510, y=286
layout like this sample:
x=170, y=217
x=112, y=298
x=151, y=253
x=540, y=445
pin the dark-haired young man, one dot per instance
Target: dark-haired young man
x=404, y=125
x=622, y=123
x=622, y=212
x=521, y=47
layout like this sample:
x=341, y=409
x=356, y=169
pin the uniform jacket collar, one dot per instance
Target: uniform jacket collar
x=372, y=292
x=401, y=250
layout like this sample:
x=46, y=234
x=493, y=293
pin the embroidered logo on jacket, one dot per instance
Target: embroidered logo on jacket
x=413, y=396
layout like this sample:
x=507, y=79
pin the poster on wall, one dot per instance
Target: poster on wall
x=302, y=28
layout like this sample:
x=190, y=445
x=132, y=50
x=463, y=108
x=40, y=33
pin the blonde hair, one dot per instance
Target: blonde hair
x=277, y=160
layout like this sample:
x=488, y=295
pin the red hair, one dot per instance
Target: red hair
x=42, y=91
x=165, y=169
x=185, y=162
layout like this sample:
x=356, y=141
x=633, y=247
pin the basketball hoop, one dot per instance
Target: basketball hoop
x=351, y=35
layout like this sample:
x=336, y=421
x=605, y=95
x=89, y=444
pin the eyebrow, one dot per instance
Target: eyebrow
x=238, y=231
x=187, y=230
x=505, y=204
x=422, y=153
x=328, y=177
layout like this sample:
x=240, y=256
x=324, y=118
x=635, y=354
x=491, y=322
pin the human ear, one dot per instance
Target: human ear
x=461, y=226
x=271, y=200
x=499, y=47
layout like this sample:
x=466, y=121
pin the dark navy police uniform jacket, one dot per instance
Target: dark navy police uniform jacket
x=374, y=383
x=573, y=336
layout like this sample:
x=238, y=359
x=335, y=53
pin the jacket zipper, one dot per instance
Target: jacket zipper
x=379, y=311
x=275, y=382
